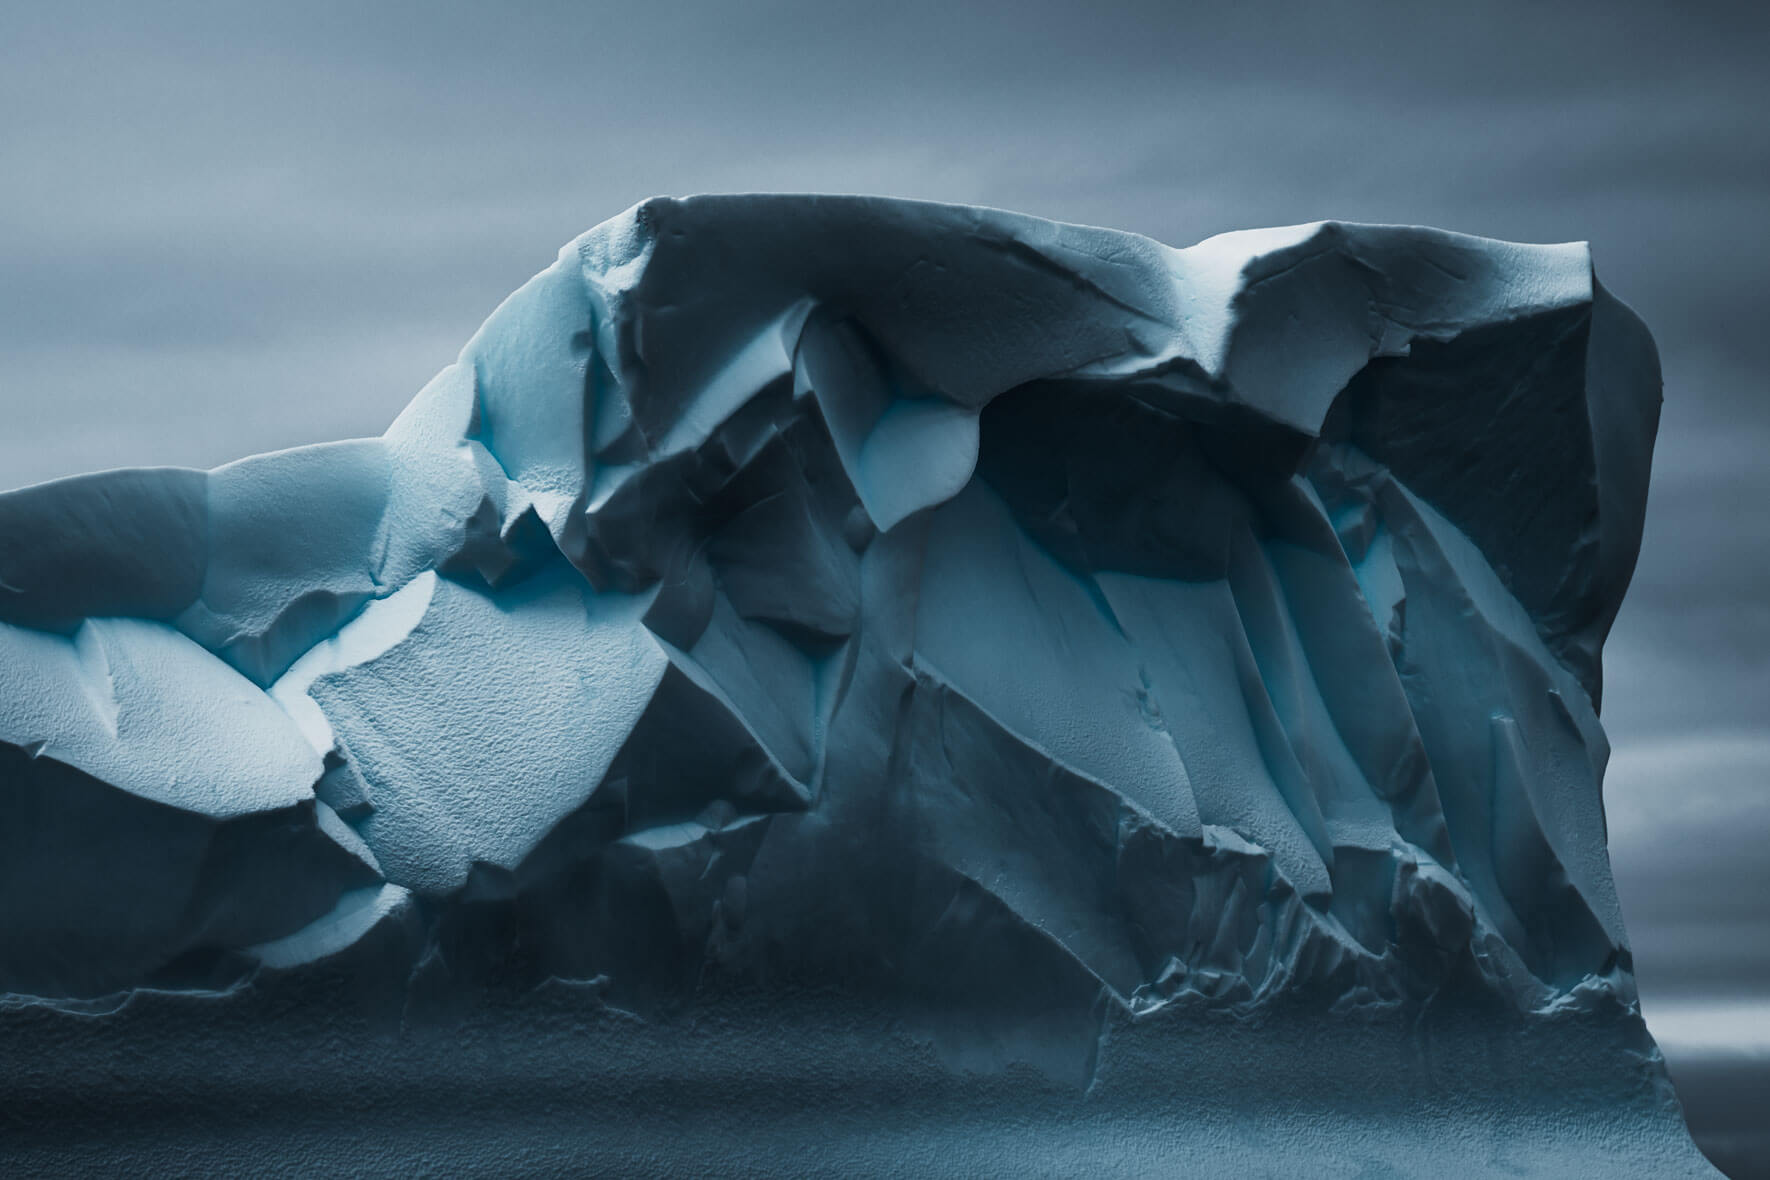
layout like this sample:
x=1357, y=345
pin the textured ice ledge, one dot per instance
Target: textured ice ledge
x=1022, y=620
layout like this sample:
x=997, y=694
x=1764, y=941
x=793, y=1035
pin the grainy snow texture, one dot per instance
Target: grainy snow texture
x=1146, y=697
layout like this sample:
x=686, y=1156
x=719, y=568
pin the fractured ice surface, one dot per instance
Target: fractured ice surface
x=1017, y=618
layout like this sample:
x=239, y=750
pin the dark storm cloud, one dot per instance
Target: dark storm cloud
x=230, y=228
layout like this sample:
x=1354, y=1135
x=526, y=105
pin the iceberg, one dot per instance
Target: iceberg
x=941, y=686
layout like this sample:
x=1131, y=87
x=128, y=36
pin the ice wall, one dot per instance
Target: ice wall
x=1027, y=623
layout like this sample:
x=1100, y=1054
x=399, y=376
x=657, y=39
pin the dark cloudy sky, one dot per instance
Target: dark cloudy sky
x=229, y=228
